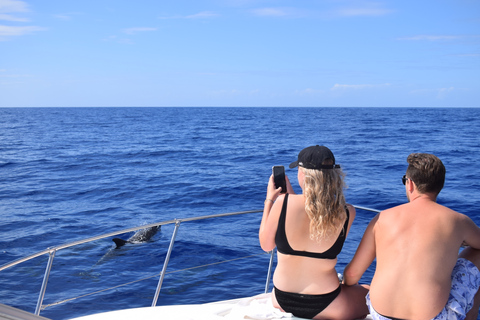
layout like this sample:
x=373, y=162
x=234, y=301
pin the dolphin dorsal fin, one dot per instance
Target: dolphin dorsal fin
x=119, y=242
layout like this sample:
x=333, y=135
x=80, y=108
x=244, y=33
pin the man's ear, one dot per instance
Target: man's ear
x=410, y=185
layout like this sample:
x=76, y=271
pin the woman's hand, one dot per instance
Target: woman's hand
x=272, y=191
x=289, y=186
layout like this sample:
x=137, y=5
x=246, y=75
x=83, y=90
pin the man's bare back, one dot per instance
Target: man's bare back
x=415, y=259
x=416, y=246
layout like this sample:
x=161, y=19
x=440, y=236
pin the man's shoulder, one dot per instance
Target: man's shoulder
x=411, y=211
x=395, y=210
x=387, y=216
x=451, y=213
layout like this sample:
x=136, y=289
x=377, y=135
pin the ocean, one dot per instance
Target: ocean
x=72, y=173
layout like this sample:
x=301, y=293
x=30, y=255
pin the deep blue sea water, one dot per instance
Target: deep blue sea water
x=72, y=173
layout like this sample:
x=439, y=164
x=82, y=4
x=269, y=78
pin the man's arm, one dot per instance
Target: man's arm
x=363, y=258
x=471, y=233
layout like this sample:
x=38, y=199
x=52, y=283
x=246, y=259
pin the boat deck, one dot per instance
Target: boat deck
x=256, y=307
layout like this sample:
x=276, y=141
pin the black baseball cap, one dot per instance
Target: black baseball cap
x=313, y=157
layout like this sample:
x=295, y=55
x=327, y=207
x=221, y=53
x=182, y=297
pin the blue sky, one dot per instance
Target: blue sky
x=348, y=53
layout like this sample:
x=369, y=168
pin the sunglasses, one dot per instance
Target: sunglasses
x=404, y=179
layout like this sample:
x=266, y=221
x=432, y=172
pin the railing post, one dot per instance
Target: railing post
x=269, y=274
x=45, y=281
x=167, y=259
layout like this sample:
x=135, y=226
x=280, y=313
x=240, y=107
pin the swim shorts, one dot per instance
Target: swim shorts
x=465, y=284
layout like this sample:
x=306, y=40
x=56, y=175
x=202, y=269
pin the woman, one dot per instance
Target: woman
x=309, y=230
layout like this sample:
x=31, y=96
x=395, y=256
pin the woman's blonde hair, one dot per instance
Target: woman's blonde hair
x=324, y=201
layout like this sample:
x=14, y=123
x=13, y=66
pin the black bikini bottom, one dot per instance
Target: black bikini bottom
x=390, y=317
x=305, y=305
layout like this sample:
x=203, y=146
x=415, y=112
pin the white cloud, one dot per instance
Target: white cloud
x=13, y=6
x=279, y=12
x=130, y=32
x=9, y=17
x=443, y=92
x=199, y=15
x=202, y=15
x=10, y=7
x=272, y=12
x=9, y=10
x=137, y=30
x=364, y=9
x=119, y=40
x=66, y=16
x=357, y=86
x=10, y=31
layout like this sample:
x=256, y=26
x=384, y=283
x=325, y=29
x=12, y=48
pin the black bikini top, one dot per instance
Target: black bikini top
x=284, y=247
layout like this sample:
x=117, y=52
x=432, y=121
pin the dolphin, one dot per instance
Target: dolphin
x=142, y=235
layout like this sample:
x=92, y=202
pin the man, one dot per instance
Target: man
x=416, y=245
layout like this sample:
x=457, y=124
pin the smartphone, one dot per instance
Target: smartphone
x=279, y=177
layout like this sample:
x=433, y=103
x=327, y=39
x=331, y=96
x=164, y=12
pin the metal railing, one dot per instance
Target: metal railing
x=53, y=250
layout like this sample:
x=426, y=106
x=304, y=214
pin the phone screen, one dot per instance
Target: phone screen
x=279, y=177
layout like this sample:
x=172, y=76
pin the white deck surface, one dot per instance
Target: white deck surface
x=256, y=307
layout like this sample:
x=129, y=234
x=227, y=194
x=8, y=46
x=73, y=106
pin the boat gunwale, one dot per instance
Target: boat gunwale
x=52, y=250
